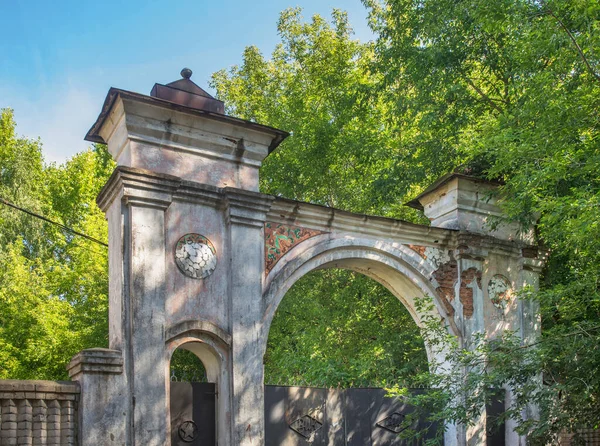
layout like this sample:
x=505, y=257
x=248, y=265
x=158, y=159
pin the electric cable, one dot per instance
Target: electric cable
x=60, y=225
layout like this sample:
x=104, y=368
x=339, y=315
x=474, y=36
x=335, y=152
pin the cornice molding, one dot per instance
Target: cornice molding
x=337, y=221
x=96, y=360
x=188, y=327
x=138, y=186
x=246, y=207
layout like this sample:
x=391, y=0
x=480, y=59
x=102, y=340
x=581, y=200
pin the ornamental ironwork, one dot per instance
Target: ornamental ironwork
x=393, y=423
x=195, y=256
x=306, y=426
x=188, y=431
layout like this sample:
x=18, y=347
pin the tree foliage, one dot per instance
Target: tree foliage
x=53, y=285
x=336, y=328
x=510, y=90
x=345, y=149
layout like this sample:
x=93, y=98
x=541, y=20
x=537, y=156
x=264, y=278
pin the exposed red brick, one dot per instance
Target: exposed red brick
x=466, y=292
x=446, y=276
x=419, y=250
x=531, y=252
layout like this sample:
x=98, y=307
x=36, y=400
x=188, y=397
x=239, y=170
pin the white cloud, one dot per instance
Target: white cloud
x=59, y=118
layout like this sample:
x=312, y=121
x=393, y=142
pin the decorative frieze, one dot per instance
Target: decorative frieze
x=280, y=238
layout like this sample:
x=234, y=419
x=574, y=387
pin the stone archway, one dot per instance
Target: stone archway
x=188, y=172
x=397, y=267
x=393, y=265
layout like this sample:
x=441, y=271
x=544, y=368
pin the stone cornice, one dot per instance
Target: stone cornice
x=246, y=207
x=15, y=387
x=146, y=188
x=96, y=360
x=334, y=220
x=478, y=247
x=193, y=192
x=116, y=96
x=138, y=186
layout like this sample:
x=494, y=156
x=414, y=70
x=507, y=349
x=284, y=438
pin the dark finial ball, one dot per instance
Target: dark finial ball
x=186, y=73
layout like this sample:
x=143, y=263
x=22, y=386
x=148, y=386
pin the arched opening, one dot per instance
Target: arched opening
x=397, y=267
x=187, y=367
x=340, y=415
x=339, y=328
x=193, y=375
x=210, y=345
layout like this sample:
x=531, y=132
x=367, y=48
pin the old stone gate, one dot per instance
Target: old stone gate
x=200, y=260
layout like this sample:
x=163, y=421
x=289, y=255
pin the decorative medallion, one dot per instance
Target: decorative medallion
x=195, y=256
x=280, y=238
x=188, y=431
x=499, y=291
x=393, y=423
x=306, y=426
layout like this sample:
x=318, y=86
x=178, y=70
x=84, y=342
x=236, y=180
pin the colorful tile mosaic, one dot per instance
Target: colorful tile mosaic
x=280, y=238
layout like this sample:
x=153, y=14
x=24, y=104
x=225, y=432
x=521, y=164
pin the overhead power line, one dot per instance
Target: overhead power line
x=60, y=225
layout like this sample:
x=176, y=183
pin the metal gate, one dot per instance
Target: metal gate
x=297, y=416
x=193, y=419
x=302, y=416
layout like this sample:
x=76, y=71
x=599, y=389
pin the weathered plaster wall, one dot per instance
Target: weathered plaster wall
x=185, y=173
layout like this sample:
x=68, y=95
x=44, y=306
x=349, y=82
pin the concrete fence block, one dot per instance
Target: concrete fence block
x=38, y=413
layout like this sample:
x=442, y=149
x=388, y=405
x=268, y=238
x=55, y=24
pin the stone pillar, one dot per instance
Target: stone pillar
x=468, y=304
x=529, y=325
x=492, y=265
x=135, y=203
x=184, y=168
x=103, y=403
x=147, y=366
x=246, y=217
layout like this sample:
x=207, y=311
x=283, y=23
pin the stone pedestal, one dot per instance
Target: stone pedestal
x=103, y=405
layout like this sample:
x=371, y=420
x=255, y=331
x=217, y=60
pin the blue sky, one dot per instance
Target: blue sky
x=59, y=58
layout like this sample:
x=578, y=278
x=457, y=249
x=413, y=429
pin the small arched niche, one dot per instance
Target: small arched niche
x=194, y=373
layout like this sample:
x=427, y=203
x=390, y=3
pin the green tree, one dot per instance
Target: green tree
x=53, y=285
x=342, y=329
x=510, y=90
x=345, y=151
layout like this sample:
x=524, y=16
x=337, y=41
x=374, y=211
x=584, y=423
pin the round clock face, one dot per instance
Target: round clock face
x=195, y=256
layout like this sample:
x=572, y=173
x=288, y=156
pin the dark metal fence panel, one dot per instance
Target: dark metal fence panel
x=298, y=416
x=496, y=430
x=193, y=420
